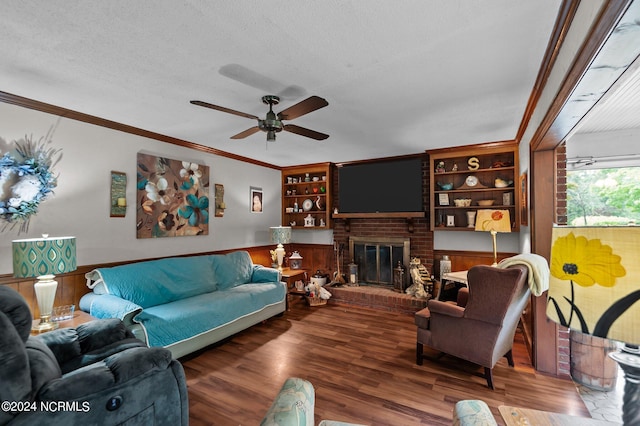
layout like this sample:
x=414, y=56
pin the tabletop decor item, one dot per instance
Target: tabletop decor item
x=27, y=179
x=462, y=202
x=295, y=260
x=445, y=186
x=593, y=289
x=309, y=221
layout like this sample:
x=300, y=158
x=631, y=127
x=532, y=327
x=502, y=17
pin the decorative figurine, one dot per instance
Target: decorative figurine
x=309, y=220
x=440, y=167
x=420, y=277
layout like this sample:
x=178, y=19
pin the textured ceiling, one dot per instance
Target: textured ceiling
x=400, y=77
x=618, y=110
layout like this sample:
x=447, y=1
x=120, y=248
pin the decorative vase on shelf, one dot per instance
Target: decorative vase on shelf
x=471, y=219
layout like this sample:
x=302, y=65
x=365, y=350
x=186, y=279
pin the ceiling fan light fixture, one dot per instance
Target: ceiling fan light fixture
x=272, y=123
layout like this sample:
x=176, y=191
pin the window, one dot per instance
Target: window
x=603, y=196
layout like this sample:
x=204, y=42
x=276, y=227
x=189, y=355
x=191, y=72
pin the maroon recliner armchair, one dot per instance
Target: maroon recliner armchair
x=481, y=332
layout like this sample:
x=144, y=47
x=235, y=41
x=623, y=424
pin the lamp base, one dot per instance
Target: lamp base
x=44, y=325
x=280, y=254
x=45, y=290
x=495, y=248
x=629, y=360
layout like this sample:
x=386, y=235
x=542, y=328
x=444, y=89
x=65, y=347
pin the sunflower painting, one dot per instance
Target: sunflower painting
x=594, y=280
x=172, y=198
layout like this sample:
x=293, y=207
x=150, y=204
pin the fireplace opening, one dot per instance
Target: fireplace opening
x=377, y=257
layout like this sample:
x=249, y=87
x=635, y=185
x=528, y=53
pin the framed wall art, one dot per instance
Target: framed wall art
x=118, y=194
x=524, y=208
x=172, y=198
x=255, y=200
x=219, y=195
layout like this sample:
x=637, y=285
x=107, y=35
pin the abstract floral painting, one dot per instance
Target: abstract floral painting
x=172, y=198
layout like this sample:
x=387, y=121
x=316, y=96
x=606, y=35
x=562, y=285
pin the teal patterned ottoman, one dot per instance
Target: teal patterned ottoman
x=293, y=406
x=473, y=412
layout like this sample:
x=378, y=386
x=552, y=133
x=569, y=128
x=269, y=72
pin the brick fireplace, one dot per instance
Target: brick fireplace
x=374, y=229
x=420, y=244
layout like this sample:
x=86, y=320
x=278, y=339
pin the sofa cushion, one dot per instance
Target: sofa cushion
x=232, y=269
x=183, y=319
x=156, y=282
x=262, y=274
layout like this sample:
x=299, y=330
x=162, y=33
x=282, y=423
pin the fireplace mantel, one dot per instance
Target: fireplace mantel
x=408, y=216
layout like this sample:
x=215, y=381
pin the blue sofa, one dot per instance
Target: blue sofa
x=186, y=303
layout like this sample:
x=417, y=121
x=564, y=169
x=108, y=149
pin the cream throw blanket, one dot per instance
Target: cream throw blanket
x=538, y=270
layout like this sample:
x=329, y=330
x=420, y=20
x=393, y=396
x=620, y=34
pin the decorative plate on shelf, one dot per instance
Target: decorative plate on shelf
x=307, y=205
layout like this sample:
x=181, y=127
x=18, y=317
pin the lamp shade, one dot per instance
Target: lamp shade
x=43, y=256
x=280, y=234
x=493, y=220
x=593, y=287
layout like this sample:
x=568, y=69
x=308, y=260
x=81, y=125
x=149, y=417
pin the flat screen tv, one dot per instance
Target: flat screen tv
x=381, y=186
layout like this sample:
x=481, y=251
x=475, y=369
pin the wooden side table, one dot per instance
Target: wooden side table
x=290, y=276
x=79, y=317
x=451, y=283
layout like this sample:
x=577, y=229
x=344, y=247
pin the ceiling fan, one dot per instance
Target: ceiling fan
x=272, y=123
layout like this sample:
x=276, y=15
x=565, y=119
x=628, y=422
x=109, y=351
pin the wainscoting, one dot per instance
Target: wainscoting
x=72, y=286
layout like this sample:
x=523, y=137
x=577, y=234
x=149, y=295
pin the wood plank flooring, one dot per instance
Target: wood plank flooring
x=362, y=365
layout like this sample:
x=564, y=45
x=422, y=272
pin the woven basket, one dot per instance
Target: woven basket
x=316, y=301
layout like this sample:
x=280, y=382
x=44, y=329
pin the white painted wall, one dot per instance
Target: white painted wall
x=585, y=15
x=80, y=205
x=521, y=242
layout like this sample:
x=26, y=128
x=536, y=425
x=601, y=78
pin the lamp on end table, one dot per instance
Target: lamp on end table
x=493, y=221
x=42, y=258
x=280, y=235
x=593, y=289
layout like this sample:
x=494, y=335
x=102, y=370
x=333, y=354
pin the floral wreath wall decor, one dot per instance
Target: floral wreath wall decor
x=27, y=179
x=172, y=198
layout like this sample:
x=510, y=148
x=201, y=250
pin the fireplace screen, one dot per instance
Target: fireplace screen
x=376, y=258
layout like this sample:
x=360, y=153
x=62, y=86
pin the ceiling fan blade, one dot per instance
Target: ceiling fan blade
x=310, y=104
x=223, y=109
x=305, y=132
x=246, y=133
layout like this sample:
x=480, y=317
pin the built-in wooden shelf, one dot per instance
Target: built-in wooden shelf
x=409, y=216
x=310, y=183
x=451, y=174
x=377, y=215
